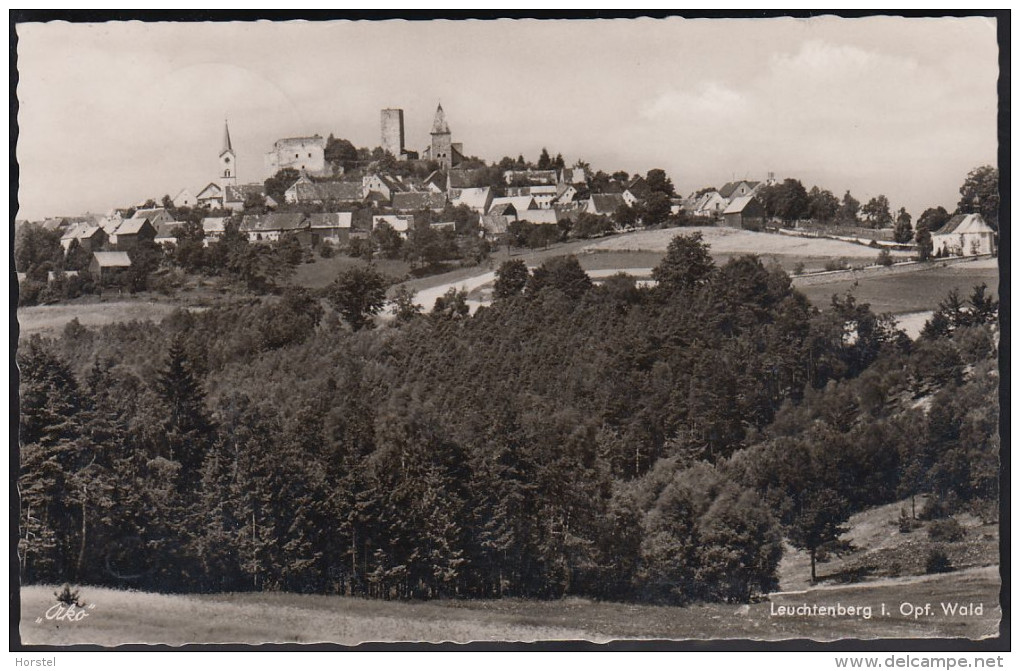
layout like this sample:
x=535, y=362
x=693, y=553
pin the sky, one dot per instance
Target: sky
x=114, y=113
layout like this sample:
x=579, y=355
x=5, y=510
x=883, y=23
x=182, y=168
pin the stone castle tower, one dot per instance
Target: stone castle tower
x=393, y=131
x=228, y=161
x=442, y=145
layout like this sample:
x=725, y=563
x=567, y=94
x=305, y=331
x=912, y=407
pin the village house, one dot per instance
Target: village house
x=306, y=191
x=565, y=193
x=710, y=204
x=415, y=201
x=90, y=237
x=401, y=223
x=383, y=184
x=166, y=234
x=185, y=199
x=132, y=232
x=213, y=228
x=538, y=216
x=577, y=176
x=478, y=199
x=543, y=195
x=518, y=204
x=331, y=227
x=605, y=204
x=107, y=265
x=964, y=235
x=463, y=179
x=271, y=227
x=211, y=196
x=732, y=190
x=638, y=188
x=55, y=223
x=494, y=225
x=155, y=215
x=436, y=182
x=745, y=212
x=235, y=195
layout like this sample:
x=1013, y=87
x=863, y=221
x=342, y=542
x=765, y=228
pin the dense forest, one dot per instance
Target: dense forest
x=606, y=440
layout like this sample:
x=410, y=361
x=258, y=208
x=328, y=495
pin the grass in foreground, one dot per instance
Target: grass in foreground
x=121, y=617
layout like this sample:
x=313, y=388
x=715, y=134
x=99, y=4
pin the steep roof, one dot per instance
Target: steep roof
x=418, y=200
x=638, y=186
x=112, y=259
x=538, y=216
x=607, y=203
x=226, y=140
x=330, y=219
x=738, y=205
x=341, y=191
x=168, y=229
x=149, y=213
x=964, y=223
x=276, y=221
x=501, y=209
x=439, y=125
x=477, y=198
x=133, y=226
x=235, y=193
x=463, y=179
x=520, y=203
x=80, y=231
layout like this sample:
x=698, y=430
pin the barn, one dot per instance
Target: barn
x=745, y=212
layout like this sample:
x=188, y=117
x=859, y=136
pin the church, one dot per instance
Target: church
x=443, y=149
x=224, y=191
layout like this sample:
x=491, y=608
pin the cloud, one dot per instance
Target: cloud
x=710, y=101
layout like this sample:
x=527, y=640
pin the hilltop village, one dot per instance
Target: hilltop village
x=441, y=206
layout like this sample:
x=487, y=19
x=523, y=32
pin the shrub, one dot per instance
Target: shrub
x=799, y=268
x=946, y=531
x=68, y=596
x=837, y=264
x=937, y=561
x=885, y=258
x=326, y=250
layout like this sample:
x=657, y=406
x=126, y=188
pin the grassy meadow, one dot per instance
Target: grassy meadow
x=122, y=617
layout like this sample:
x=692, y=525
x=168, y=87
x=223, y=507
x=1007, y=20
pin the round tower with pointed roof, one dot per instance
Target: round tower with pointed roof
x=442, y=140
x=228, y=160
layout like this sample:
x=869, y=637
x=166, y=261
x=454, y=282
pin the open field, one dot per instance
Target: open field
x=909, y=292
x=51, y=319
x=321, y=272
x=121, y=617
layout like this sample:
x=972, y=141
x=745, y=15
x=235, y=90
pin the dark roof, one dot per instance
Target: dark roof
x=133, y=226
x=503, y=209
x=951, y=225
x=330, y=219
x=418, y=201
x=238, y=192
x=607, y=202
x=437, y=177
x=277, y=221
x=168, y=229
x=463, y=179
x=319, y=191
x=730, y=187
x=638, y=186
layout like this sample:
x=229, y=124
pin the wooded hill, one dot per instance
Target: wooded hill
x=610, y=441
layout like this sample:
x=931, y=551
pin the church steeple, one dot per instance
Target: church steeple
x=439, y=126
x=228, y=167
x=227, y=147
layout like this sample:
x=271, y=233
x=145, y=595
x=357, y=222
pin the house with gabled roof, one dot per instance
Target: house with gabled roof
x=166, y=233
x=88, y=236
x=155, y=215
x=184, y=198
x=213, y=228
x=331, y=227
x=210, y=196
x=605, y=204
x=544, y=194
x=463, y=179
x=745, y=212
x=55, y=223
x=401, y=223
x=132, y=232
x=739, y=189
x=518, y=204
x=306, y=191
x=415, y=201
x=234, y=195
x=106, y=265
x=478, y=199
x=436, y=182
x=638, y=188
x=273, y=226
x=964, y=235
x=386, y=185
